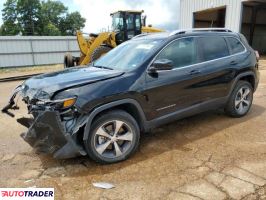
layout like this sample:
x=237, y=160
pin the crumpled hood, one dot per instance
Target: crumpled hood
x=45, y=84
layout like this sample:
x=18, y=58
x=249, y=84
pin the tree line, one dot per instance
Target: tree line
x=35, y=17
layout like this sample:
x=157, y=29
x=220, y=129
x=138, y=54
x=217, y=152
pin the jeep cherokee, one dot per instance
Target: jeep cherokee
x=101, y=109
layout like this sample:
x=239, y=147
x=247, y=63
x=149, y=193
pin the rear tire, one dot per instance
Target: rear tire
x=99, y=51
x=113, y=137
x=240, y=100
x=69, y=61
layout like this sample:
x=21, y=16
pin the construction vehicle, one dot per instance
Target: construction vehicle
x=125, y=25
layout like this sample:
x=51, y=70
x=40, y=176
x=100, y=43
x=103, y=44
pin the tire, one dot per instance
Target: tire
x=110, y=145
x=68, y=61
x=240, y=100
x=99, y=51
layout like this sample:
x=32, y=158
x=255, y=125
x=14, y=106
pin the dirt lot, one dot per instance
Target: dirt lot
x=208, y=156
x=10, y=72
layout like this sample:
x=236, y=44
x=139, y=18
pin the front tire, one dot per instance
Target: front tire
x=240, y=100
x=114, y=136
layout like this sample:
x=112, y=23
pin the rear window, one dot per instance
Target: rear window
x=212, y=48
x=235, y=45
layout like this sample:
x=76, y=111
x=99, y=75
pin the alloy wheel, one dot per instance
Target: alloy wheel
x=113, y=138
x=243, y=100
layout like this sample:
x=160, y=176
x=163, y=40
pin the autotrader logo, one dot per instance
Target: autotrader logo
x=27, y=193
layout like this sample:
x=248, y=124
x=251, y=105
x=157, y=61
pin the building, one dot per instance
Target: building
x=245, y=16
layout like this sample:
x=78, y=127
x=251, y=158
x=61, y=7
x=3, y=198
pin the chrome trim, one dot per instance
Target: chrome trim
x=195, y=63
x=163, y=108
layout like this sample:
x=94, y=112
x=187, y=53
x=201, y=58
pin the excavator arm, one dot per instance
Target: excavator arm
x=82, y=42
x=87, y=47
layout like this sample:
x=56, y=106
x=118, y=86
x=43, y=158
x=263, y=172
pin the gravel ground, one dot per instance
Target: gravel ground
x=208, y=156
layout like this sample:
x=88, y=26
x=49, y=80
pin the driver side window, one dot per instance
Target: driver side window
x=182, y=52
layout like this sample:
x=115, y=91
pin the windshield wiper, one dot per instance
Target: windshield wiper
x=102, y=67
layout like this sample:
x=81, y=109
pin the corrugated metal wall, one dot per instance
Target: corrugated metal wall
x=18, y=51
x=233, y=11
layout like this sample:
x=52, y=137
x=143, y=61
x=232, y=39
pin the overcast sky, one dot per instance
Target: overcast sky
x=160, y=13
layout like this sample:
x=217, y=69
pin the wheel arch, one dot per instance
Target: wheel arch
x=250, y=79
x=246, y=76
x=130, y=106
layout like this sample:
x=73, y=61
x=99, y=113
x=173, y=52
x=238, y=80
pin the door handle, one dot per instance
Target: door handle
x=233, y=63
x=194, y=72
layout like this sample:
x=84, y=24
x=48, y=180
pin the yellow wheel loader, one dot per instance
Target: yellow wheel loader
x=125, y=25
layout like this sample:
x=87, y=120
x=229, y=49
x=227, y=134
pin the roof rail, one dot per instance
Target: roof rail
x=199, y=29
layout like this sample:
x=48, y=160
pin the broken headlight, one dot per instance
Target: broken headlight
x=58, y=104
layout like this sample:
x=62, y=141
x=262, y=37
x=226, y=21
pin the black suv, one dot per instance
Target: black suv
x=100, y=110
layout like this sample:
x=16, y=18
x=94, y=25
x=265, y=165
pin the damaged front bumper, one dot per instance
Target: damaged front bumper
x=47, y=135
x=47, y=132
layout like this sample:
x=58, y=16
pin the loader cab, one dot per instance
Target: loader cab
x=127, y=24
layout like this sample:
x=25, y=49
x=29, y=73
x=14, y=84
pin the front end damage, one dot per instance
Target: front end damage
x=54, y=126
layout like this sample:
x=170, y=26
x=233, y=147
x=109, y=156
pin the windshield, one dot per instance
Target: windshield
x=118, y=22
x=128, y=55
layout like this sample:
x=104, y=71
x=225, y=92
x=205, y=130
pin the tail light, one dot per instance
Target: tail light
x=257, y=55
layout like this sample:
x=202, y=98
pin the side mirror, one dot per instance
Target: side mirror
x=161, y=64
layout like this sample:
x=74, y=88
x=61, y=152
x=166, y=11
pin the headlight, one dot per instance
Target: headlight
x=59, y=104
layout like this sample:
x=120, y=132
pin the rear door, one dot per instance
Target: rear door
x=215, y=67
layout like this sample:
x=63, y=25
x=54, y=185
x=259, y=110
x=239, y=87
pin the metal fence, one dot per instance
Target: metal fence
x=16, y=51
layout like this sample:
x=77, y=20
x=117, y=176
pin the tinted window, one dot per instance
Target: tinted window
x=235, y=45
x=212, y=48
x=182, y=52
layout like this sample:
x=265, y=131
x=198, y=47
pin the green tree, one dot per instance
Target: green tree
x=9, y=15
x=33, y=17
x=51, y=30
x=52, y=13
x=29, y=13
x=72, y=22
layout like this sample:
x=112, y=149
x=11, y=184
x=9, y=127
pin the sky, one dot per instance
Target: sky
x=162, y=14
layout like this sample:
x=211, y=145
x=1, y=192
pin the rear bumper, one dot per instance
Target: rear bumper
x=47, y=134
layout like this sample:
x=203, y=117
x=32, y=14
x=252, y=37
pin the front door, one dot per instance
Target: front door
x=173, y=90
